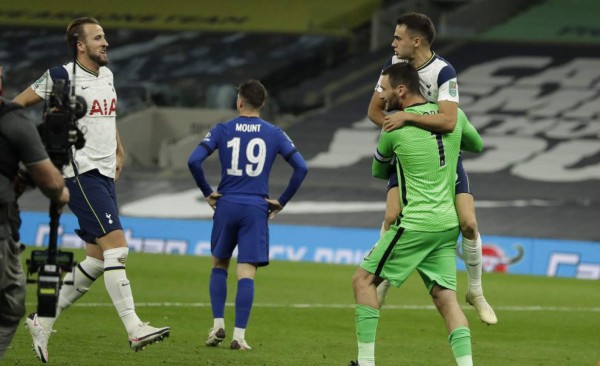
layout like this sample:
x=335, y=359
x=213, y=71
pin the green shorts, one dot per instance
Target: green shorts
x=399, y=252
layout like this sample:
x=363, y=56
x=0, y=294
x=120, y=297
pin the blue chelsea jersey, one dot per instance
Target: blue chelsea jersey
x=247, y=148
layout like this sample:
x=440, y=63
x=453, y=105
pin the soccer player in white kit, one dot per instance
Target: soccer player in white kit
x=91, y=183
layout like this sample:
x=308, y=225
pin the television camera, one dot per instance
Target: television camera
x=60, y=134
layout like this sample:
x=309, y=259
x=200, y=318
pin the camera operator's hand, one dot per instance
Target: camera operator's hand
x=62, y=200
x=50, y=181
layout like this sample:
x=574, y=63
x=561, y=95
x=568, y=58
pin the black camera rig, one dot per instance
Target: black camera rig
x=60, y=134
x=59, y=131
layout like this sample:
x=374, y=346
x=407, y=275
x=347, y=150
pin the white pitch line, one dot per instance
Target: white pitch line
x=338, y=306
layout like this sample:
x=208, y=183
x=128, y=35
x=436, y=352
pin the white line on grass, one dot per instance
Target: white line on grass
x=337, y=306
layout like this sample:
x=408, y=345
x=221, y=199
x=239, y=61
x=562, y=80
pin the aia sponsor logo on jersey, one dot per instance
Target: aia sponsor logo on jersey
x=103, y=107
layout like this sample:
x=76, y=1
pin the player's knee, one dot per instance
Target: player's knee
x=440, y=296
x=356, y=281
x=115, y=256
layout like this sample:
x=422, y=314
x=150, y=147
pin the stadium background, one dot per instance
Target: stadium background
x=529, y=73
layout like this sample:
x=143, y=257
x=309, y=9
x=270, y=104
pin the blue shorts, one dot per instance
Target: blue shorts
x=243, y=225
x=94, y=202
x=462, y=180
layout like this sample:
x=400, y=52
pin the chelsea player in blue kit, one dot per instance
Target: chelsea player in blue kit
x=247, y=148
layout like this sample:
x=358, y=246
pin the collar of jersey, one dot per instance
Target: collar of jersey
x=433, y=56
x=87, y=70
x=418, y=104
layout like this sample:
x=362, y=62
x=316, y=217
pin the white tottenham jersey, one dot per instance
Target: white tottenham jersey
x=99, y=122
x=437, y=79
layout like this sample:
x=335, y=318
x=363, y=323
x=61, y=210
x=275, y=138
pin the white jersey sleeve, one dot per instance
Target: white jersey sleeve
x=43, y=86
x=448, y=91
x=438, y=80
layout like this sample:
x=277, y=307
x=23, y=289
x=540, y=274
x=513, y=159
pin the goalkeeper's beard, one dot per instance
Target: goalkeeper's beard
x=393, y=105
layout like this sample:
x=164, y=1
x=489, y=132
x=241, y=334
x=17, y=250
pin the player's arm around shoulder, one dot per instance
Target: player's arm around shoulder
x=470, y=139
x=447, y=116
x=442, y=122
x=376, y=109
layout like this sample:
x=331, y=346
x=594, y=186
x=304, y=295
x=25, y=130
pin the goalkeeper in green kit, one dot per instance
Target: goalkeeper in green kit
x=424, y=236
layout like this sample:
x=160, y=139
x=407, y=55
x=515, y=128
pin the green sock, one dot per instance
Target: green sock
x=460, y=341
x=366, y=327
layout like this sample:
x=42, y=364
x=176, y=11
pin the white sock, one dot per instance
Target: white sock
x=239, y=333
x=366, y=354
x=472, y=253
x=82, y=276
x=464, y=361
x=219, y=323
x=119, y=289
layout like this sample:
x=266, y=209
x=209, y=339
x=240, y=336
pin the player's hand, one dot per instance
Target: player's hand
x=395, y=120
x=274, y=207
x=213, y=198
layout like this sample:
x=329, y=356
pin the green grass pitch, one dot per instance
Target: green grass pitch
x=304, y=315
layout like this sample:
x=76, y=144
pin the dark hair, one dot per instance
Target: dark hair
x=403, y=73
x=253, y=92
x=420, y=24
x=75, y=30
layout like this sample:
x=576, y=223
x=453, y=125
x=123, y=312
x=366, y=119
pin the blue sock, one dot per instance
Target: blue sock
x=243, y=302
x=218, y=291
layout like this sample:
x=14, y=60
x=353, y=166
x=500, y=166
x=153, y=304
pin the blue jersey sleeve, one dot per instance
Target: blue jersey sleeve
x=200, y=153
x=300, y=170
x=292, y=157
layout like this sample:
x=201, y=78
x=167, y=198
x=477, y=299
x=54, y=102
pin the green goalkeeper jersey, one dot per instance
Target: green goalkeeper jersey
x=426, y=164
